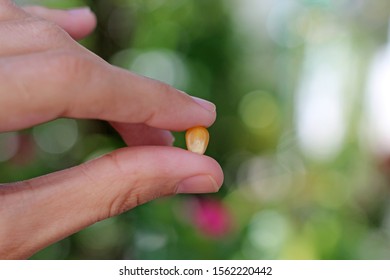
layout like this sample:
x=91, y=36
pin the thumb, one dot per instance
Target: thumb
x=43, y=210
x=77, y=22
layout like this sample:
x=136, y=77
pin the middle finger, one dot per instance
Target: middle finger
x=143, y=135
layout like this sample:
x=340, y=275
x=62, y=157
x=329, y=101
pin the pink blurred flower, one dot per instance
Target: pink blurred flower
x=211, y=217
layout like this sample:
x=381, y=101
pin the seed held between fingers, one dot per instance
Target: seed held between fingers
x=197, y=139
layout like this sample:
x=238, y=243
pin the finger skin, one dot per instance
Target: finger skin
x=143, y=135
x=77, y=84
x=10, y=11
x=46, y=30
x=42, y=36
x=45, y=74
x=78, y=23
x=62, y=203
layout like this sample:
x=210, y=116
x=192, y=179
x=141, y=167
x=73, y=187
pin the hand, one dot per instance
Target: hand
x=45, y=74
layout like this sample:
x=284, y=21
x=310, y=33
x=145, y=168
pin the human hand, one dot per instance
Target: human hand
x=44, y=75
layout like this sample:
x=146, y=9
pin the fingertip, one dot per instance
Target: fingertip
x=209, y=107
x=78, y=22
x=206, y=179
x=83, y=11
x=197, y=184
x=205, y=104
x=175, y=163
x=81, y=23
x=218, y=174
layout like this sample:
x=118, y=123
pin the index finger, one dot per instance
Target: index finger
x=36, y=88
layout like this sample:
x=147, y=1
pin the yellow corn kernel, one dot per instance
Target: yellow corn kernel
x=197, y=139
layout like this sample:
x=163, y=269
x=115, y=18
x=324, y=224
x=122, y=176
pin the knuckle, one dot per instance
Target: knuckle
x=9, y=10
x=153, y=115
x=133, y=187
x=71, y=70
x=29, y=34
x=163, y=88
x=128, y=195
x=124, y=203
x=68, y=66
x=124, y=186
x=47, y=31
x=72, y=65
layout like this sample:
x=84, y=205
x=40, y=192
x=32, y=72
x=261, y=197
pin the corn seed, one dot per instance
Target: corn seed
x=197, y=139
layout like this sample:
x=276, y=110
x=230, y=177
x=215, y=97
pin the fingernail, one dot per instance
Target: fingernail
x=205, y=104
x=80, y=11
x=197, y=184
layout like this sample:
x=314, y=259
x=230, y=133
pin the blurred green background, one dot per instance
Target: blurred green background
x=302, y=89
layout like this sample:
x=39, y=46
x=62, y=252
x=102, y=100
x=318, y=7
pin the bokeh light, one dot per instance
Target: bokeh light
x=161, y=65
x=377, y=103
x=258, y=110
x=56, y=137
x=268, y=232
x=9, y=144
